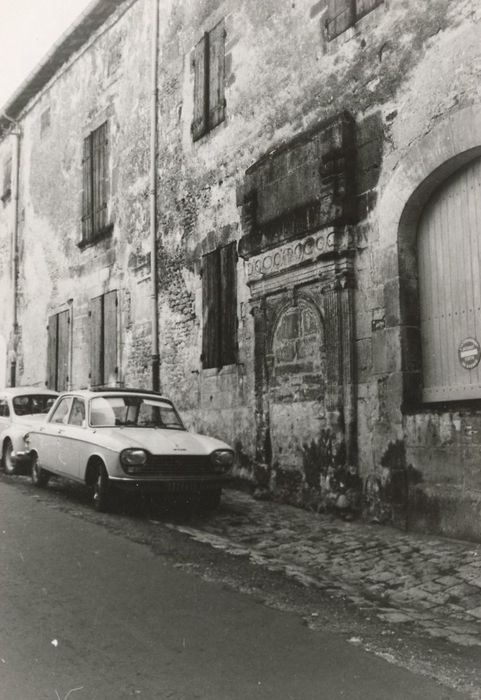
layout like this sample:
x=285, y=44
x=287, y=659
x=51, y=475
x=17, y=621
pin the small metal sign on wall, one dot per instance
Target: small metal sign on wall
x=469, y=353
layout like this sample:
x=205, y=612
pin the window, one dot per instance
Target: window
x=32, y=404
x=77, y=414
x=61, y=412
x=342, y=14
x=209, y=70
x=103, y=339
x=58, y=351
x=45, y=121
x=95, y=167
x=219, y=303
x=7, y=180
x=4, y=409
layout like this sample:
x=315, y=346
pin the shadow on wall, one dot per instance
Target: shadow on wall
x=386, y=490
x=326, y=483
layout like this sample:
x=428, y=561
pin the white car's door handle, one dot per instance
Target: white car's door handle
x=60, y=432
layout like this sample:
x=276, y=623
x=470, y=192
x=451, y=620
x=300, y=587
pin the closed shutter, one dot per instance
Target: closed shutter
x=7, y=178
x=340, y=16
x=210, y=310
x=52, y=353
x=96, y=341
x=87, y=191
x=216, y=74
x=228, y=282
x=62, y=350
x=201, y=74
x=99, y=175
x=365, y=6
x=449, y=260
x=110, y=338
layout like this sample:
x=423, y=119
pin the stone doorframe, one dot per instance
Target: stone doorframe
x=330, y=284
x=451, y=143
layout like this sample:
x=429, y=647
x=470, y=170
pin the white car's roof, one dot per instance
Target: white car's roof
x=24, y=390
x=114, y=391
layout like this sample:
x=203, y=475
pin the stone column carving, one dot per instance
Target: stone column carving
x=346, y=304
x=340, y=356
x=263, y=438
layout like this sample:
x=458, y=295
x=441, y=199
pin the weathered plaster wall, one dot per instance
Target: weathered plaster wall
x=7, y=147
x=400, y=71
x=404, y=72
x=107, y=80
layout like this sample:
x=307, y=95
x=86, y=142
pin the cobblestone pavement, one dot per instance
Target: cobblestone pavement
x=431, y=582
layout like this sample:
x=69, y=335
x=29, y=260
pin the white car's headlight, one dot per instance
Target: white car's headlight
x=222, y=459
x=132, y=459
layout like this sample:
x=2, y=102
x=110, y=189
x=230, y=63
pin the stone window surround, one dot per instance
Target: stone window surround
x=452, y=143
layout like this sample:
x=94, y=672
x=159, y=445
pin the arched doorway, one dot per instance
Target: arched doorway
x=296, y=381
x=449, y=264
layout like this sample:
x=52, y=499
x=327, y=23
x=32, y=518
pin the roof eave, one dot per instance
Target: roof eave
x=93, y=17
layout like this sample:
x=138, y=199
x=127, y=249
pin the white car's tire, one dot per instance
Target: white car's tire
x=210, y=500
x=101, y=490
x=7, y=462
x=40, y=477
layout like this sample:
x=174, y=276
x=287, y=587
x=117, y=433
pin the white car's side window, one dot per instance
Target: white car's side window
x=77, y=415
x=62, y=411
x=4, y=410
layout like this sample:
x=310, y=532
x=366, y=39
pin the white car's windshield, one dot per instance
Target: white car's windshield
x=138, y=411
x=29, y=404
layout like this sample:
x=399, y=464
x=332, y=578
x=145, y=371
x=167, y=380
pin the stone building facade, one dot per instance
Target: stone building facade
x=318, y=224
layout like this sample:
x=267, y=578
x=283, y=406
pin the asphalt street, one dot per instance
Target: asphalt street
x=89, y=614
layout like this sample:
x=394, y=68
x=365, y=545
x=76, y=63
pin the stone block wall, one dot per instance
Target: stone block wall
x=330, y=148
x=107, y=80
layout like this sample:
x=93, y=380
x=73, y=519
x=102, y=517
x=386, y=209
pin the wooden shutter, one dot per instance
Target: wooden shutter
x=340, y=16
x=87, y=190
x=210, y=310
x=449, y=261
x=7, y=178
x=52, y=352
x=110, y=338
x=99, y=178
x=201, y=76
x=96, y=341
x=228, y=295
x=216, y=75
x=62, y=350
x=365, y=6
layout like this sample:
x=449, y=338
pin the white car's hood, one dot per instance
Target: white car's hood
x=159, y=440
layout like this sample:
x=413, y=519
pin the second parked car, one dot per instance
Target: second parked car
x=21, y=408
x=129, y=439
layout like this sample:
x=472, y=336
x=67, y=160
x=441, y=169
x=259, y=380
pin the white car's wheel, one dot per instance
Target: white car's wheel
x=40, y=477
x=210, y=500
x=7, y=462
x=101, y=490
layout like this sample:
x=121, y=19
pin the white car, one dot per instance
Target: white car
x=131, y=439
x=21, y=408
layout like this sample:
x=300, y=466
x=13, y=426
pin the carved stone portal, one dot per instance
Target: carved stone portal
x=300, y=273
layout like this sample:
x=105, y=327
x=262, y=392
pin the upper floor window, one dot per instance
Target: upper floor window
x=45, y=121
x=7, y=180
x=342, y=14
x=219, y=304
x=95, y=167
x=209, y=74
